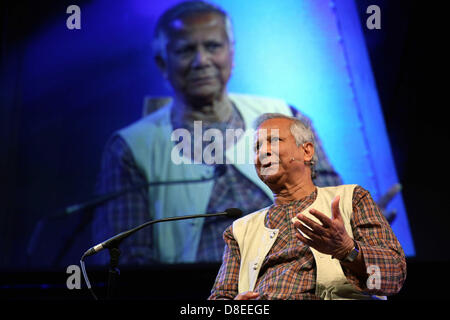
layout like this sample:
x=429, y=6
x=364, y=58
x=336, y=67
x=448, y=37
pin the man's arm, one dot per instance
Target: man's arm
x=378, y=248
x=119, y=171
x=226, y=284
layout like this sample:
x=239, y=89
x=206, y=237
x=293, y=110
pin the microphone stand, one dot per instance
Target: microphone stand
x=114, y=272
x=112, y=244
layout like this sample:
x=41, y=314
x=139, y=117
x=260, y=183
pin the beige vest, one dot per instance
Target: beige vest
x=255, y=240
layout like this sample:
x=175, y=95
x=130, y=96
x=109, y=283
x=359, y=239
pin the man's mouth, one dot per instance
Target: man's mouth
x=267, y=165
x=200, y=76
x=268, y=169
x=201, y=80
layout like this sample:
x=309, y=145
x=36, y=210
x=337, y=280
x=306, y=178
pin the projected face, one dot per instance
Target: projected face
x=275, y=149
x=199, y=57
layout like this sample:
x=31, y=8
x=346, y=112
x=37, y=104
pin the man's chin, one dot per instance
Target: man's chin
x=204, y=90
x=269, y=176
x=203, y=97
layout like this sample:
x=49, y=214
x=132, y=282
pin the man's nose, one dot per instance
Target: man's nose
x=201, y=58
x=264, y=152
x=265, y=148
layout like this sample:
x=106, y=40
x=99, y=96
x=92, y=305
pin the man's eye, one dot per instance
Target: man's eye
x=183, y=50
x=213, y=46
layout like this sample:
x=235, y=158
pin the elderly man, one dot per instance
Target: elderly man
x=313, y=242
x=194, y=48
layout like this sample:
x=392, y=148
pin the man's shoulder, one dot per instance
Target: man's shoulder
x=343, y=189
x=158, y=118
x=254, y=97
x=352, y=192
x=260, y=103
x=250, y=218
x=339, y=187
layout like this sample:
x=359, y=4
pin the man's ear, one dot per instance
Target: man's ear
x=308, y=149
x=162, y=66
x=232, y=56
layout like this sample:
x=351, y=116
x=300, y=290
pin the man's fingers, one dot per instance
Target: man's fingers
x=335, y=208
x=303, y=239
x=248, y=295
x=322, y=218
x=316, y=227
x=307, y=231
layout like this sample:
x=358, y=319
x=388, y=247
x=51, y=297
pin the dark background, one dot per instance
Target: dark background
x=408, y=64
x=42, y=143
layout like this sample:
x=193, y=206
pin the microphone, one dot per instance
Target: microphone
x=115, y=240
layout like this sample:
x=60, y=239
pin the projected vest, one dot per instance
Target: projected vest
x=150, y=142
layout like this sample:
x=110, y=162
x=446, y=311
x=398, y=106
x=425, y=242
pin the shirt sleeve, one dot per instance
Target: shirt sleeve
x=382, y=253
x=118, y=172
x=326, y=176
x=226, y=283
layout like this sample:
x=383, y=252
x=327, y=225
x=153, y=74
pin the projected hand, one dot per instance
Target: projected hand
x=386, y=199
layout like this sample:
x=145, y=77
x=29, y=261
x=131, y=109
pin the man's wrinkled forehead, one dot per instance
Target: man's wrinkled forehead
x=192, y=22
x=279, y=125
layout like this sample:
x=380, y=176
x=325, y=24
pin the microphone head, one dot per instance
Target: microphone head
x=220, y=170
x=234, y=213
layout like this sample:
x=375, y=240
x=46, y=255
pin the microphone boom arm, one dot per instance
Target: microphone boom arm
x=117, y=239
x=112, y=195
x=112, y=244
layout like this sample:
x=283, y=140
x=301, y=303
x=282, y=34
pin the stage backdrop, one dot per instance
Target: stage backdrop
x=78, y=86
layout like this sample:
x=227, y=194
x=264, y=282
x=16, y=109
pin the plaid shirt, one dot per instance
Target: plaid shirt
x=288, y=271
x=233, y=189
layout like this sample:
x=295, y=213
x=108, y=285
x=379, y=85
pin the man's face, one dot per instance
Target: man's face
x=199, y=57
x=275, y=147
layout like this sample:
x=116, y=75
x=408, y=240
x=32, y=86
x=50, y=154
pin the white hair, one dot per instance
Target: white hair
x=183, y=9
